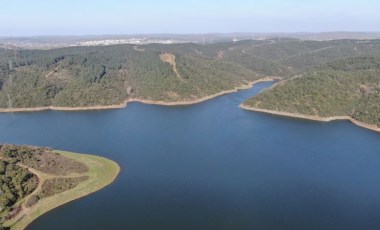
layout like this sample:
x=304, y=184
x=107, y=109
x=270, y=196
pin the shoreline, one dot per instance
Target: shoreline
x=312, y=118
x=97, y=180
x=145, y=101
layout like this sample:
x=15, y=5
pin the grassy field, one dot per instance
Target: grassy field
x=101, y=173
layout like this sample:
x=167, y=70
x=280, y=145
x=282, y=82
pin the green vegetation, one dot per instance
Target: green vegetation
x=327, y=78
x=35, y=180
x=15, y=184
x=346, y=87
x=91, y=76
x=57, y=185
x=41, y=159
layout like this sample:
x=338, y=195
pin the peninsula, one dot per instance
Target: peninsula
x=35, y=180
x=347, y=89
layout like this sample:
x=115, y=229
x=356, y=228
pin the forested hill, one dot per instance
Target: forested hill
x=88, y=76
x=349, y=87
x=108, y=75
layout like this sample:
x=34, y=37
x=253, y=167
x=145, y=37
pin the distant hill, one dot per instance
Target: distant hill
x=50, y=42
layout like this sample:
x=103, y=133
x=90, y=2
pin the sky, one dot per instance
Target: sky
x=90, y=17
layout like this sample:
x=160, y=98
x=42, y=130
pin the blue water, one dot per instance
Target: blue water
x=212, y=166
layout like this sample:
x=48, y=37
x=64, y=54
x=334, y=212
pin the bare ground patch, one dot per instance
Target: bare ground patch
x=172, y=95
x=170, y=58
x=137, y=48
x=59, y=76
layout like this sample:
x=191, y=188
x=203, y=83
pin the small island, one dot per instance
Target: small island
x=35, y=180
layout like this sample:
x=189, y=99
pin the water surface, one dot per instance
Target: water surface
x=212, y=166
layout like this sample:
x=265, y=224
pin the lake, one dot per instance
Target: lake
x=212, y=166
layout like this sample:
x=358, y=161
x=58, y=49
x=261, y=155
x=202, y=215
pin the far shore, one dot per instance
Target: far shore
x=145, y=101
x=314, y=118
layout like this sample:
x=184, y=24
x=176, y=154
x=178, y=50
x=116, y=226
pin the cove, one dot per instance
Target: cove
x=212, y=165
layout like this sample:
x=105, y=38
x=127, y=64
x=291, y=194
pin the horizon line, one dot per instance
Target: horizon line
x=193, y=34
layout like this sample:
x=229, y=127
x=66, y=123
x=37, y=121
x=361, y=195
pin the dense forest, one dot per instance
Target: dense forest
x=15, y=184
x=88, y=76
x=107, y=75
x=349, y=87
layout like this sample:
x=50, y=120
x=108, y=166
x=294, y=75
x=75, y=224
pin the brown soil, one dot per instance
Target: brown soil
x=220, y=55
x=170, y=58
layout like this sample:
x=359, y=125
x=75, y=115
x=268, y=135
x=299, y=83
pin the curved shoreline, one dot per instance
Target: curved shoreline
x=145, y=101
x=102, y=172
x=313, y=118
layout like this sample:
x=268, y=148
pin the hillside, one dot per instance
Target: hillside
x=110, y=75
x=349, y=87
x=88, y=76
x=34, y=180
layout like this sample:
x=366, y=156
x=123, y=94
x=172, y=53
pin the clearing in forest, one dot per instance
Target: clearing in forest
x=170, y=58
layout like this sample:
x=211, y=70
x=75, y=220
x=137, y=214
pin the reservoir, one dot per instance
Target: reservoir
x=212, y=165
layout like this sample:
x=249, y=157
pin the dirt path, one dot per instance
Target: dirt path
x=50, y=73
x=311, y=52
x=101, y=173
x=220, y=55
x=41, y=178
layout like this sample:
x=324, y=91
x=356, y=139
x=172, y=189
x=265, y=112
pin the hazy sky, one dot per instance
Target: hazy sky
x=78, y=17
